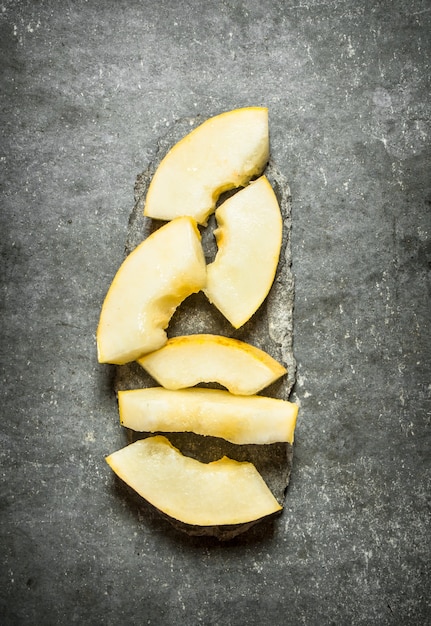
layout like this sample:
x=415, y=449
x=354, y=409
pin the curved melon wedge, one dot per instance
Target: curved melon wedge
x=201, y=494
x=151, y=283
x=248, y=236
x=213, y=412
x=224, y=152
x=188, y=360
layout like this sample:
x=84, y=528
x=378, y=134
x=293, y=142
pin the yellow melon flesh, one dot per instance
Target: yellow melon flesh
x=153, y=280
x=239, y=419
x=192, y=359
x=249, y=238
x=223, y=153
x=201, y=494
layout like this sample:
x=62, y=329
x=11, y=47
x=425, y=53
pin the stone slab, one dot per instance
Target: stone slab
x=89, y=90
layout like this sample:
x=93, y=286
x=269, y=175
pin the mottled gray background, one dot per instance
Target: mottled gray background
x=87, y=91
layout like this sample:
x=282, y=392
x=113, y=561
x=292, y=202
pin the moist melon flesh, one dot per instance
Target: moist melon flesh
x=223, y=153
x=152, y=281
x=188, y=360
x=202, y=494
x=249, y=236
x=214, y=412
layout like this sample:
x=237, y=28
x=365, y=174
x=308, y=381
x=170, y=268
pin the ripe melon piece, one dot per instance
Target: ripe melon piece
x=201, y=494
x=215, y=412
x=152, y=281
x=188, y=360
x=248, y=236
x=223, y=153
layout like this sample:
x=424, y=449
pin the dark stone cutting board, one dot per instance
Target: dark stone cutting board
x=270, y=329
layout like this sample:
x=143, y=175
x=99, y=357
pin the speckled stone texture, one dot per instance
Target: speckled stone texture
x=88, y=91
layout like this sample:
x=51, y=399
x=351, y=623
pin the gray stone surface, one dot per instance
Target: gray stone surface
x=88, y=90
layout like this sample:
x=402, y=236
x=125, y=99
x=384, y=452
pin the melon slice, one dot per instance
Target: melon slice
x=223, y=153
x=248, y=236
x=215, y=412
x=153, y=280
x=202, y=494
x=188, y=360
